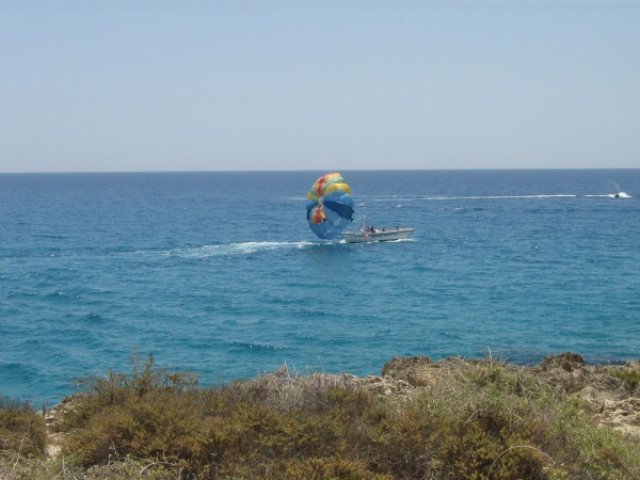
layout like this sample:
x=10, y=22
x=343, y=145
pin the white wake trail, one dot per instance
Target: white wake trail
x=238, y=248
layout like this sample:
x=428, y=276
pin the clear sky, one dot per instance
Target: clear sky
x=148, y=85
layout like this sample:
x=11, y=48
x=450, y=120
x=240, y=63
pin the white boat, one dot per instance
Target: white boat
x=369, y=233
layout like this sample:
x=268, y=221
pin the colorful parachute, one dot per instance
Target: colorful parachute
x=329, y=206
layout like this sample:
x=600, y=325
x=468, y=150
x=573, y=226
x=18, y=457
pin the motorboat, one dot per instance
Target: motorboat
x=369, y=233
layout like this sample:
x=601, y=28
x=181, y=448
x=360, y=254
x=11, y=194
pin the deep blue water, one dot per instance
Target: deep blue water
x=218, y=273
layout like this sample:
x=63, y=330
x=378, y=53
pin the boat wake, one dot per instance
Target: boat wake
x=501, y=197
x=400, y=200
x=240, y=248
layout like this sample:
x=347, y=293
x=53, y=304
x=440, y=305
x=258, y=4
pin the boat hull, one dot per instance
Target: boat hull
x=378, y=235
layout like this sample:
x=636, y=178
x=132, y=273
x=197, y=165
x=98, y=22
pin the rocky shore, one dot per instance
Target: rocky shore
x=611, y=392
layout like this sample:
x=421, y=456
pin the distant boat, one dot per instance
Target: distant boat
x=369, y=233
x=617, y=191
x=620, y=195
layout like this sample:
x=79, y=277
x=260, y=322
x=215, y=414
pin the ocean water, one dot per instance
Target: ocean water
x=218, y=273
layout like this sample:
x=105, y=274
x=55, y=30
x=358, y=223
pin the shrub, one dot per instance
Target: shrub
x=22, y=431
x=479, y=420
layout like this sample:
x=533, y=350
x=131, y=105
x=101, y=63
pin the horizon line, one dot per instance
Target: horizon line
x=488, y=169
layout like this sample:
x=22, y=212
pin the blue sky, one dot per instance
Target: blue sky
x=208, y=85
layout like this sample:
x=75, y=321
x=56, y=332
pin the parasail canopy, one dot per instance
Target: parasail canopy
x=329, y=206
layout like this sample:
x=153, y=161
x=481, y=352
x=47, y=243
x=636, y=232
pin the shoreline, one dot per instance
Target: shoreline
x=612, y=389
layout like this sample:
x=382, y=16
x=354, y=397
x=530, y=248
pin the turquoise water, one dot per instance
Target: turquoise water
x=218, y=273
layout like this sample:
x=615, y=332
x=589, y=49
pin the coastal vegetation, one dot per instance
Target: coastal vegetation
x=454, y=419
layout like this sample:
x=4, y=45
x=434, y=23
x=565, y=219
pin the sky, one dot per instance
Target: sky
x=168, y=85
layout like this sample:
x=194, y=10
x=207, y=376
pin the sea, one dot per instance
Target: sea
x=218, y=273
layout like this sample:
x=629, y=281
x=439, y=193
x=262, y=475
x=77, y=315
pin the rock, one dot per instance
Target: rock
x=623, y=415
x=633, y=365
x=399, y=364
x=566, y=361
x=416, y=371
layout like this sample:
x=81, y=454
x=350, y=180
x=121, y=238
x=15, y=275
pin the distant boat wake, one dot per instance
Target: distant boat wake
x=503, y=197
x=541, y=196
